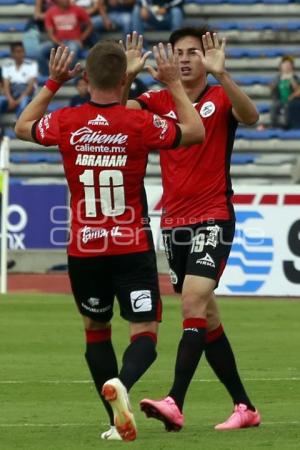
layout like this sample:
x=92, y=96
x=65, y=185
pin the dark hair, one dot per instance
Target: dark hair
x=189, y=31
x=288, y=58
x=106, y=64
x=14, y=45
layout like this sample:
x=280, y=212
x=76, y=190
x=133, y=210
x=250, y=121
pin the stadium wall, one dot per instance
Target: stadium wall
x=265, y=258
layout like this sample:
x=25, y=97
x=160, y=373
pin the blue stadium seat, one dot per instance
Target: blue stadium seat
x=35, y=158
x=289, y=134
x=245, y=133
x=255, y=26
x=246, y=80
x=4, y=53
x=244, y=158
x=56, y=105
x=18, y=26
x=263, y=108
x=240, y=2
x=270, y=133
x=9, y=132
x=9, y=2
x=260, y=53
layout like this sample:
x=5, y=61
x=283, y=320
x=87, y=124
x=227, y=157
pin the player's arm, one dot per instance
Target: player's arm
x=135, y=63
x=243, y=109
x=59, y=72
x=167, y=72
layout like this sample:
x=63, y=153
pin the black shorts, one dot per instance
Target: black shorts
x=131, y=278
x=200, y=249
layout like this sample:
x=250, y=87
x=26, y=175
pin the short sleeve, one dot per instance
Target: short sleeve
x=83, y=15
x=5, y=72
x=46, y=130
x=159, y=133
x=49, y=20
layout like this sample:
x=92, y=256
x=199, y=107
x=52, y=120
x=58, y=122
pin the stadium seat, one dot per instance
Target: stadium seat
x=56, y=105
x=261, y=52
x=35, y=158
x=244, y=158
x=4, y=53
x=18, y=26
x=255, y=26
x=9, y=2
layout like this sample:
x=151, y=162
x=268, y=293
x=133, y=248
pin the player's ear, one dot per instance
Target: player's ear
x=124, y=79
x=85, y=77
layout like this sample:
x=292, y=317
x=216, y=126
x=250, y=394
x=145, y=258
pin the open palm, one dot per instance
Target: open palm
x=214, y=57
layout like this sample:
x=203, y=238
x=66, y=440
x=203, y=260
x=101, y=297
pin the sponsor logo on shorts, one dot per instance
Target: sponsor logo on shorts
x=206, y=261
x=173, y=277
x=141, y=301
x=207, y=109
x=92, y=303
x=213, y=237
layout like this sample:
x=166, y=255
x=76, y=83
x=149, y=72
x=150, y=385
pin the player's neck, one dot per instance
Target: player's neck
x=193, y=90
x=105, y=96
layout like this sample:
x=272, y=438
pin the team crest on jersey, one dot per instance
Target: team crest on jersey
x=207, y=109
x=158, y=122
x=99, y=120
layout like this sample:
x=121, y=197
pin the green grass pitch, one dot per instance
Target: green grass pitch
x=47, y=401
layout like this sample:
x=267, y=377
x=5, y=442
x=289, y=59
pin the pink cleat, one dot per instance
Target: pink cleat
x=165, y=410
x=242, y=417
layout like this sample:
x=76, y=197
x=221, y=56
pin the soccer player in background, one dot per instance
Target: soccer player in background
x=198, y=220
x=110, y=253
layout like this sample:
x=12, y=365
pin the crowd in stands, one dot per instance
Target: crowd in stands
x=285, y=90
x=79, y=24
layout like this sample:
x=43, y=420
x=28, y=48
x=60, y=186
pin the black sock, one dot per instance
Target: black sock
x=220, y=356
x=189, y=352
x=102, y=362
x=137, y=358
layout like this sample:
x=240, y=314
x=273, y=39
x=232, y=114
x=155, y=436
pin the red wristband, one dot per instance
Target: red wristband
x=52, y=85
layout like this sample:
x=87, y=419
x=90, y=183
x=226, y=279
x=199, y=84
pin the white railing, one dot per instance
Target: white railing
x=4, y=173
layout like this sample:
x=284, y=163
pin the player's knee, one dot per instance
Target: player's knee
x=193, y=305
x=91, y=324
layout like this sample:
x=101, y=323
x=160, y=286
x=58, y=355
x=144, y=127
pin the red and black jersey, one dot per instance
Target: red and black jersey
x=196, y=179
x=104, y=150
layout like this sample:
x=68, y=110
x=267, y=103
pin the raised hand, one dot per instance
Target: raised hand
x=167, y=71
x=59, y=65
x=214, y=57
x=134, y=53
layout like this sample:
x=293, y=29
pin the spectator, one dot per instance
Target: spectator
x=83, y=95
x=19, y=80
x=66, y=25
x=40, y=9
x=137, y=88
x=286, y=95
x=93, y=8
x=114, y=14
x=157, y=15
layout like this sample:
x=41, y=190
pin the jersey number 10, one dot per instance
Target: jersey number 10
x=111, y=197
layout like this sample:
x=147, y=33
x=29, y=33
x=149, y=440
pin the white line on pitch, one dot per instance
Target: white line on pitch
x=65, y=425
x=140, y=381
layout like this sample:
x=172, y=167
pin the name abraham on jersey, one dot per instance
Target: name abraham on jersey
x=101, y=160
